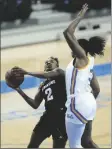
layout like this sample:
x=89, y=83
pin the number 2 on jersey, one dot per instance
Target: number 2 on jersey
x=48, y=92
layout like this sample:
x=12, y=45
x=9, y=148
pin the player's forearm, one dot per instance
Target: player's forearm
x=71, y=28
x=37, y=74
x=44, y=75
x=30, y=101
x=70, y=38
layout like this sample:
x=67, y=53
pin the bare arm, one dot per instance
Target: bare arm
x=69, y=34
x=54, y=73
x=50, y=74
x=95, y=86
x=73, y=44
x=34, y=103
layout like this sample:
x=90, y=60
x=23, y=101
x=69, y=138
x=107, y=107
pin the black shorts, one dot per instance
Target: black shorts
x=52, y=124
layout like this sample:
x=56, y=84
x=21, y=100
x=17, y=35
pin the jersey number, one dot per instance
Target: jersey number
x=48, y=92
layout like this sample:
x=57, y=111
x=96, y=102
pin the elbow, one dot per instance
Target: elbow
x=35, y=107
x=98, y=91
x=66, y=33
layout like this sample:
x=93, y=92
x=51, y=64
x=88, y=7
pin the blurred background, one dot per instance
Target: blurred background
x=45, y=20
x=32, y=31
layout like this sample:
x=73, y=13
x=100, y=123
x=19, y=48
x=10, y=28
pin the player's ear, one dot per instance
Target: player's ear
x=57, y=65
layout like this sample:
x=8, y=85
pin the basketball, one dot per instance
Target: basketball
x=12, y=79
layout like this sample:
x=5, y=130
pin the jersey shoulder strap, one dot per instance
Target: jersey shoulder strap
x=71, y=63
x=91, y=59
x=41, y=85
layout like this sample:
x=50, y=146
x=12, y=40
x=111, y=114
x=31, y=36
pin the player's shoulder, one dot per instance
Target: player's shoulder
x=91, y=58
x=71, y=63
x=91, y=63
x=59, y=70
x=42, y=84
x=61, y=77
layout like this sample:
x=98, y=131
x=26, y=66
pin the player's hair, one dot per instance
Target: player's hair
x=56, y=59
x=95, y=45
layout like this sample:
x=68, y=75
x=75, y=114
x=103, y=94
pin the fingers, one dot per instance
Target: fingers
x=83, y=10
x=15, y=67
x=17, y=71
x=85, y=5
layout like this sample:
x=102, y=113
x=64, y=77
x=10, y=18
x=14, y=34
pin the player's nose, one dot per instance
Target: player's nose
x=48, y=63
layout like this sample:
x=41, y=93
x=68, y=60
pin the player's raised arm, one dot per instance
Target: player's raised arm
x=34, y=103
x=69, y=34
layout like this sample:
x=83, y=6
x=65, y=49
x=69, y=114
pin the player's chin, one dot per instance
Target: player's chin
x=48, y=69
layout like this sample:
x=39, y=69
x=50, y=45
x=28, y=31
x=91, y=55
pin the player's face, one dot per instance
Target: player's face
x=50, y=64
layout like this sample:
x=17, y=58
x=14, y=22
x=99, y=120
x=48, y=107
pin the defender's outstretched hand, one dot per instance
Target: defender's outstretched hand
x=83, y=11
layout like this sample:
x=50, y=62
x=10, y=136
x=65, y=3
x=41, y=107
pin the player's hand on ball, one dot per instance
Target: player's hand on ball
x=83, y=11
x=18, y=71
x=13, y=80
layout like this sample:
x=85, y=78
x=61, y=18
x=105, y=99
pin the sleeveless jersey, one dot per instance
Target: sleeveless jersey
x=54, y=93
x=79, y=96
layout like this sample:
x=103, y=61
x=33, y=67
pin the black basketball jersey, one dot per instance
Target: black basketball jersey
x=54, y=93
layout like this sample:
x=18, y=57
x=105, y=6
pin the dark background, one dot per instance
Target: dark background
x=10, y=10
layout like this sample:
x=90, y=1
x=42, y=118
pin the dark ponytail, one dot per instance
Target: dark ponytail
x=96, y=46
x=84, y=44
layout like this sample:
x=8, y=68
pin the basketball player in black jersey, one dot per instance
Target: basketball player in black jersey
x=52, y=72
x=53, y=91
